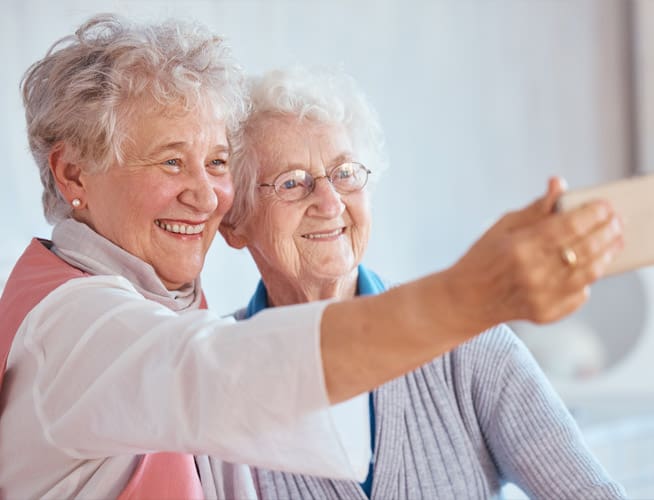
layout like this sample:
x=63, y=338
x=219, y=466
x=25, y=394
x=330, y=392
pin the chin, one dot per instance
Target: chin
x=336, y=271
x=178, y=280
x=177, y=285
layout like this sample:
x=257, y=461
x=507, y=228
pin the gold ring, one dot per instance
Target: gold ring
x=569, y=256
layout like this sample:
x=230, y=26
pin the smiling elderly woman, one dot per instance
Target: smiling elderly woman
x=460, y=426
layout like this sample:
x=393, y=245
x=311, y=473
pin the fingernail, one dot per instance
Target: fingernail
x=607, y=210
x=616, y=224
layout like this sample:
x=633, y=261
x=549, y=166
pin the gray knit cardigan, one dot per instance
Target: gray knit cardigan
x=460, y=427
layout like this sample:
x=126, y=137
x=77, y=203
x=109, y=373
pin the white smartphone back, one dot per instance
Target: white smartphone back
x=633, y=200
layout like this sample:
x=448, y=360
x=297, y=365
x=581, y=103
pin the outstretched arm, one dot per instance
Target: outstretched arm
x=514, y=271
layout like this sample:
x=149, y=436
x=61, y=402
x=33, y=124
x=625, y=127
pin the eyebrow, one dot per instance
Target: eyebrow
x=181, y=145
x=338, y=160
x=342, y=158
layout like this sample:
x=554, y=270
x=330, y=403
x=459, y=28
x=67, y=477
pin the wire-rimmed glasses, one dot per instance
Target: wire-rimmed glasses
x=297, y=184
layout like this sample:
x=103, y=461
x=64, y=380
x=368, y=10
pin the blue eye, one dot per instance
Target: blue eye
x=349, y=177
x=173, y=165
x=289, y=184
x=218, y=166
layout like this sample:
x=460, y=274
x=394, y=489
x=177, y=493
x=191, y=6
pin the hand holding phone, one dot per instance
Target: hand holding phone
x=633, y=200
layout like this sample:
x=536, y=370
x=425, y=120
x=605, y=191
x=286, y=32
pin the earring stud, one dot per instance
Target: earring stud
x=76, y=203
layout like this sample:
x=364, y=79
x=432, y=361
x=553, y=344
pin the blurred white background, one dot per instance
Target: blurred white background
x=481, y=102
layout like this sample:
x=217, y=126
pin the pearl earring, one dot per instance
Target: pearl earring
x=76, y=203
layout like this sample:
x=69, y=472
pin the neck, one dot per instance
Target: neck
x=283, y=294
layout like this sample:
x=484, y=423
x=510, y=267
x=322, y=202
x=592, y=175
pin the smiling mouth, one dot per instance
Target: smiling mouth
x=319, y=236
x=178, y=228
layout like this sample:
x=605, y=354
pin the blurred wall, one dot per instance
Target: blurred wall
x=481, y=102
x=643, y=72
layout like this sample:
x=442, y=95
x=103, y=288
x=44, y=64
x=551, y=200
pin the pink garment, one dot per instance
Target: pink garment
x=164, y=476
x=37, y=273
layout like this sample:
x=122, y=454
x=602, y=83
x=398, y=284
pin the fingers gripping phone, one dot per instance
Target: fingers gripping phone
x=633, y=200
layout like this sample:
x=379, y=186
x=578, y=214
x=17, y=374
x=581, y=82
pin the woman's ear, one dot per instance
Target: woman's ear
x=66, y=174
x=232, y=236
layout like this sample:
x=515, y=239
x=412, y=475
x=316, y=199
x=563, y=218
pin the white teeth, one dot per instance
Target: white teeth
x=336, y=232
x=180, y=228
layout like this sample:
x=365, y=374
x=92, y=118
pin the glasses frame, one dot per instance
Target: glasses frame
x=274, y=184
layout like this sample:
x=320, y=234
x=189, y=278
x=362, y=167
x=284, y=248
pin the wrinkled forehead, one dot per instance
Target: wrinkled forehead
x=144, y=107
x=135, y=111
x=149, y=123
x=284, y=141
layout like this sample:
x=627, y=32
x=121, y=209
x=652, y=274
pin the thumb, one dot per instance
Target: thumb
x=556, y=186
x=539, y=208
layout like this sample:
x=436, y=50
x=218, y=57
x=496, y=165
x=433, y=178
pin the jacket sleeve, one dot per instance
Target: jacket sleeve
x=114, y=373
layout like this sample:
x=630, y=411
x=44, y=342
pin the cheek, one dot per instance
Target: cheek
x=274, y=228
x=359, y=210
x=361, y=219
x=157, y=201
x=224, y=189
x=288, y=221
x=161, y=192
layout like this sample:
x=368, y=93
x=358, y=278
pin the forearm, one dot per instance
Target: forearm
x=370, y=340
x=513, y=272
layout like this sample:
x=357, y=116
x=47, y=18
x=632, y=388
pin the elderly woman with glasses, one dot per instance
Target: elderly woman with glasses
x=463, y=424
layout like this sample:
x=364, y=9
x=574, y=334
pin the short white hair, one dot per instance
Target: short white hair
x=322, y=95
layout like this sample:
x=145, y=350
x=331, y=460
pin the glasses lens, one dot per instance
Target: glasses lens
x=294, y=185
x=349, y=177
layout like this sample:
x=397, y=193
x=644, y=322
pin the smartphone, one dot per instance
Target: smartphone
x=633, y=200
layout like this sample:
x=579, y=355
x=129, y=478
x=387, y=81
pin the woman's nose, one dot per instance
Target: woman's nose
x=200, y=190
x=325, y=200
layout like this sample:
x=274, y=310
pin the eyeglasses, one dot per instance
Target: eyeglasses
x=297, y=184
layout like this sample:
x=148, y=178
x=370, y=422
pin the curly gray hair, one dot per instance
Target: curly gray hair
x=322, y=95
x=82, y=92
